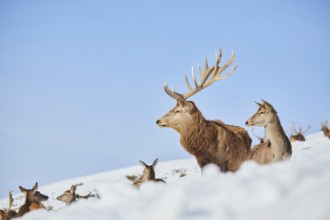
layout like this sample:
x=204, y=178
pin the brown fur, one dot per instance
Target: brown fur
x=148, y=174
x=325, y=129
x=298, y=134
x=32, y=202
x=297, y=137
x=70, y=196
x=214, y=142
x=7, y=214
x=278, y=147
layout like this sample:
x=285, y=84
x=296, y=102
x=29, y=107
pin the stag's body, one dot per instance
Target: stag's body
x=148, y=174
x=325, y=129
x=33, y=199
x=209, y=141
x=278, y=146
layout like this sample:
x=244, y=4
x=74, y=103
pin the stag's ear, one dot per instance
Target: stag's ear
x=182, y=102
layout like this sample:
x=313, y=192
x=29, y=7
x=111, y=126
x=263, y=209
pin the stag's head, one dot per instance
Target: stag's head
x=324, y=126
x=298, y=134
x=69, y=196
x=263, y=116
x=184, y=110
x=178, y=116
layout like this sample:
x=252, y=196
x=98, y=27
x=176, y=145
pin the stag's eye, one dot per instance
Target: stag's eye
x=177, y=111
x=261, y=113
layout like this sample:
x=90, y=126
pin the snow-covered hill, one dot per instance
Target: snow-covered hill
x=296, y=189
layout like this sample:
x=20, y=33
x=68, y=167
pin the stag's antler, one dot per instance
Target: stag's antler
x=300, y=131
x=207, y=77
x=74, y=187
x=325, y=123
x=257, y=136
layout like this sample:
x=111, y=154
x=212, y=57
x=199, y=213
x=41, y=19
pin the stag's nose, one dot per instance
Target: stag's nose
x=157, y=122
x=247, y=123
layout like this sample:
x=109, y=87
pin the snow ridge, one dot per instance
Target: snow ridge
x=294, y=189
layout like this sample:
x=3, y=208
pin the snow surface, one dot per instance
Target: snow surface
x=295, y=189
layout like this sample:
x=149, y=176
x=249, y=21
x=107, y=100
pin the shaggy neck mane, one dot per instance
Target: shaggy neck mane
x=199, y=134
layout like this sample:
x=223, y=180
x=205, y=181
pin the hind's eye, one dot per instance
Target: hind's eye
x=261, y=113
x=177, y=111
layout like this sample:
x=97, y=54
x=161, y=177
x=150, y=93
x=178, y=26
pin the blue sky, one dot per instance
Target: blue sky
x=81, y=82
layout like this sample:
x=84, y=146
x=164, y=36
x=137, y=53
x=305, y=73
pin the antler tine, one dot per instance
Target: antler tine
x=215, y=71
x=194, y=77
x=10, y=199
x=294, y=128
x=309, y=126
x=205, y=77
x=257, y=136
x=171, y=93
x=187, y=82
x=225, y=66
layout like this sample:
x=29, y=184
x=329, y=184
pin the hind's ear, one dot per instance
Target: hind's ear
x=35, y=187
x=259, y=104
x=143, y=164
x=267, y=104
x=155, y=162
x=23, y=190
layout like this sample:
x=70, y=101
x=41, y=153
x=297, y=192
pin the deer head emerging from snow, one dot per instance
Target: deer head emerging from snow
x=209, y=141
x=325, y=128
x=298, y=135
x=70, y=196
x=148, y=173
x=278, y=146
x=33, y=199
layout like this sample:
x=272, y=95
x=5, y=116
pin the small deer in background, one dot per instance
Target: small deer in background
x=9, y=213
x=148, y=174
x=70, y=196
x=33, y=199
x=210, y=141
x=325, y=128
x=298, y=135
x=278, y=146
x=261, y=139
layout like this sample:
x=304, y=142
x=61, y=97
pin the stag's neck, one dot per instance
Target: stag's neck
x=277, y=137
x=197, y=135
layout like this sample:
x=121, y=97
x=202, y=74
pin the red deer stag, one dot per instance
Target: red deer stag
x=278, y=146
x=70, y=196
x=209, y=141
x=325, y=128
x=33, y=199
x=9, y=213
x=148, y=174
x=298, y=135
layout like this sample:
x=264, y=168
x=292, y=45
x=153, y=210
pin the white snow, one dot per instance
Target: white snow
x=295, y=189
